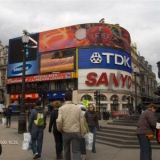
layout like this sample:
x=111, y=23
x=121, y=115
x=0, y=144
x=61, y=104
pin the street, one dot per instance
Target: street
x=12, y=148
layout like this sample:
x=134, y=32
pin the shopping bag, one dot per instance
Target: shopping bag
x=4, y=120
x=157, y=125
x=89, y=140
x=27, y=137
x=25, y=145
x=26, y=141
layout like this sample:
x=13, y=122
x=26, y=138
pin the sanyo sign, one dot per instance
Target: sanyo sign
x=105, y=58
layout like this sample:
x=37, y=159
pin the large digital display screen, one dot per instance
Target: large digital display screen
x=58, y=61
x=16, y=50
x=16, y=54
x=16, y=69
x=81, y=35
x=106, y=58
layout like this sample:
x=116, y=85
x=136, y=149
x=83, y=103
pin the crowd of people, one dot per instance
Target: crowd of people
x=69, y=123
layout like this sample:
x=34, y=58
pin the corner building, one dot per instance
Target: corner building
x=86, y=57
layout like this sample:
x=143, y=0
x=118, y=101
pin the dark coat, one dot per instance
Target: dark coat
x=146, y=123
x=52, y=122
x=92, y=119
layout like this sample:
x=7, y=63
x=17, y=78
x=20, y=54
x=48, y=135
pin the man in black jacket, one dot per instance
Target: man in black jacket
x=56, y=133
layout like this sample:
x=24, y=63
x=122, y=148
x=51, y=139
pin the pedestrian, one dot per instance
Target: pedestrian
x=145, y=131
x=85, y=130
x=68, y=122
x=37, y=124
x=56, y=133
x=8, y=116
x=92, y=120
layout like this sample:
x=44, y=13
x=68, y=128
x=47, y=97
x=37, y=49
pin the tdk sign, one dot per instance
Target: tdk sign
x=105, y=58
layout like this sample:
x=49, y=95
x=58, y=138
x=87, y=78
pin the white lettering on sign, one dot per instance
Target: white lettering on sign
x=118, y=59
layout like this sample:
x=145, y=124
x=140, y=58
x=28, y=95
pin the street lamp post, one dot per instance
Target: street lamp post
x=22, y=117
x=115, y=103
x=135, y=81
x=22, y=126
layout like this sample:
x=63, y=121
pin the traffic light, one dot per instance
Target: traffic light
x=95, y=95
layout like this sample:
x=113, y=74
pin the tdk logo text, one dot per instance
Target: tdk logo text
x=117, y=59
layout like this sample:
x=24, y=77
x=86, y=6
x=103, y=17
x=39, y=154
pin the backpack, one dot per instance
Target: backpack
x=39, y=121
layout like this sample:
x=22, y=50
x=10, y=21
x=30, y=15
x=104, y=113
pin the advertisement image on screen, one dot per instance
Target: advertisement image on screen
x=16, y=50
x=92, y=34
x=57, y=61
x=16, y=69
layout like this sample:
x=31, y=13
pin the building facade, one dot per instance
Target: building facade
x=89, y=58
x=3, y=73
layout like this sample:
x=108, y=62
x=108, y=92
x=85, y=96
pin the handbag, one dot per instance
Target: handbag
x=158, y=135
x=150, y=136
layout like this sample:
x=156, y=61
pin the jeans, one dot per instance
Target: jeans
x=58, y=143
x=8, y=121
x=37, y=141
x=145, y=147
x=93, y=130
x=73, y=139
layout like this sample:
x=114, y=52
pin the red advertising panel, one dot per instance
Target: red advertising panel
x=85, y=35
x=46, y=77
x=57, y=61
x=31, y=96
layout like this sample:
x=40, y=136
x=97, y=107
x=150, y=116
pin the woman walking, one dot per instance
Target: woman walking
x=92, y=120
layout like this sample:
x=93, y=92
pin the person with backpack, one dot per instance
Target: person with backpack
x=56, y=133
x=37, y=124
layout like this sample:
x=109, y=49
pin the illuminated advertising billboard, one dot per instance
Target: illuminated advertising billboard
x=15, y=58
x=104, y=58
x=16, y=69
x=57, y=61
x=104, y=68
x=91, y=34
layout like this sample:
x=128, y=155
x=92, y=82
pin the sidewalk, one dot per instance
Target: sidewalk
x=13, y=144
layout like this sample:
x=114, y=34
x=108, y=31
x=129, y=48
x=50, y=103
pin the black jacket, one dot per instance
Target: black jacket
x=52, y=123
x=92, y=119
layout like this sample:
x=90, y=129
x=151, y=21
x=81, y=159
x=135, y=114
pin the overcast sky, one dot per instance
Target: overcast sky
x=140, y=17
